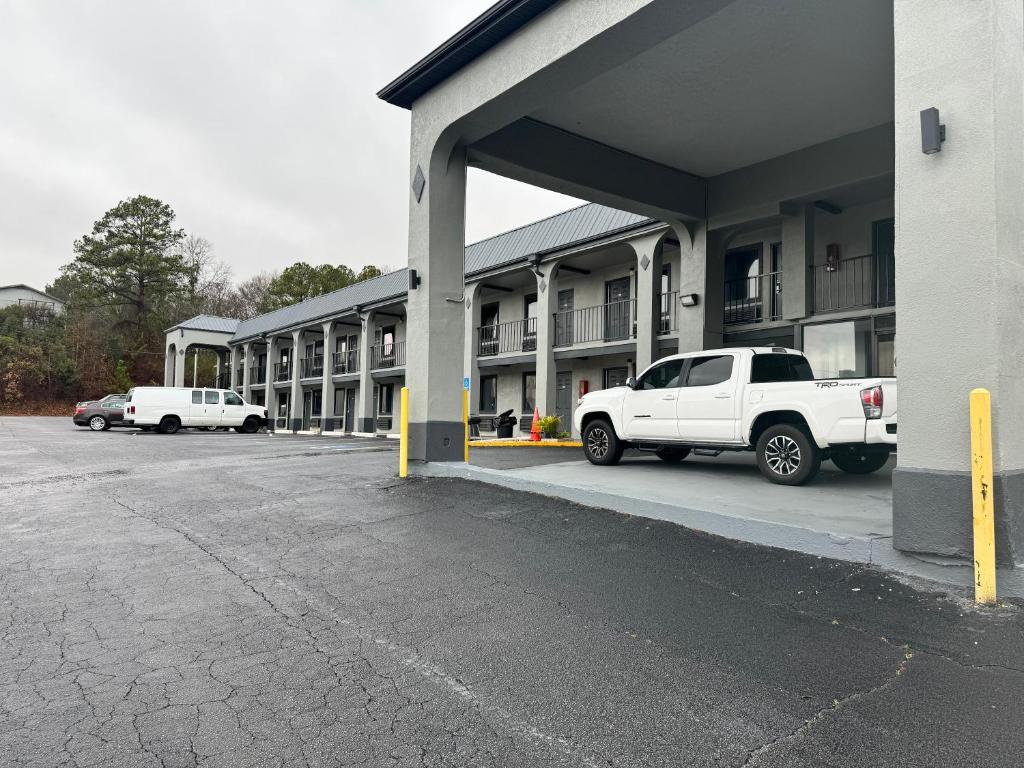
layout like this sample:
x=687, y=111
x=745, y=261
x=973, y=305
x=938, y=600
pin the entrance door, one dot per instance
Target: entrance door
x=563, y=400
x=350, y=409
x=649, y=411
x=564, y=324
x=617, y=319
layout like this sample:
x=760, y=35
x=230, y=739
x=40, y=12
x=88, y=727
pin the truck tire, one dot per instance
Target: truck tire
x=860, y=459
x=169, y=425
x=672, y=454
x=250, y=426
x=601, y=445
x=786, y=455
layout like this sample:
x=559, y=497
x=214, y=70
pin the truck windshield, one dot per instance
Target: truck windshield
x=773, y=367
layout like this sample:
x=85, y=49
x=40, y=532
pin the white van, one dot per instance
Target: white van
x=168, y=409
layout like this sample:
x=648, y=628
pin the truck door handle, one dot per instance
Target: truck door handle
x=669, y=397
x=722, y=396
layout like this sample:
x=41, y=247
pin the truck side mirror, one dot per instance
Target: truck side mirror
x=631, y=382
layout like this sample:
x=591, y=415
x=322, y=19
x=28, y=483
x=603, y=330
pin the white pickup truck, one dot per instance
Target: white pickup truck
x=762, y=399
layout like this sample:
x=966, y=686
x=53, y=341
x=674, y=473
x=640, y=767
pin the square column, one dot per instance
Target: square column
x=327, y=394
x=232, y=356
x=295, y=400
x=797, y=260
x=648, y=297
x=959, y=269
x=702, y=271
x=435, y=309
x=470, y=367
x=547, y=306
x=270, y=397
x=366, y=419
x=247, y=364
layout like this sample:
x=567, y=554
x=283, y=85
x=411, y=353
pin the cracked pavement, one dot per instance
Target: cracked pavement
x=232, y=600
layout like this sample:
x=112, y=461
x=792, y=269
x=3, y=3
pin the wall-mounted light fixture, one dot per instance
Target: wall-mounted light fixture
x=933, y=133
x=689, y=299
x=414, y=280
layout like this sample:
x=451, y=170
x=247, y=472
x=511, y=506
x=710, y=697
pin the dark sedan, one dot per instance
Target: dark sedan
x=98, y=415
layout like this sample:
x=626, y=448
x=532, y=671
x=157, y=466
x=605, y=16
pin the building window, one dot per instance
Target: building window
x=488, y=394
x=615, y=377
x=386, y=399
x=839, y=350
x=529, y=392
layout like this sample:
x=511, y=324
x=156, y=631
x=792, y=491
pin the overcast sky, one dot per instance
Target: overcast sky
x=257, y=121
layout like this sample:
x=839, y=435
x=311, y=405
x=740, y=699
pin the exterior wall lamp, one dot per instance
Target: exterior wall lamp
x=689, y=299
x=933, y=133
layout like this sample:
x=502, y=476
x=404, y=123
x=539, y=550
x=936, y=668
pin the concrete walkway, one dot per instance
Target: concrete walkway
x=842, y=516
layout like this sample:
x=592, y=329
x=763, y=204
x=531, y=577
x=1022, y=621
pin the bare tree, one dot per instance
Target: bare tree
x=250, y=297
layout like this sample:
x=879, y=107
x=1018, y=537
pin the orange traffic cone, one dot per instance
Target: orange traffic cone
x=535, y=426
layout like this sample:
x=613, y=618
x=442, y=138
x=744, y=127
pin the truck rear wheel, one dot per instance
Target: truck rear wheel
x=786, y=455
x=860, y=459
x=169, y=425
x=600, y=443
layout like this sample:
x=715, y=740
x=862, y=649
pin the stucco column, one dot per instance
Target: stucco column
x=959, y=269
x=365, y=416
x=179, y=366
x=271, y=395
x=797, y=260
x=232, y=358
x=170, y=359
x=295, y=399
x=471, y=368
x=327, y=396
x=702, y=271
x=547, y=306
x=247, y=364
x=435, y=308
x=648, y=297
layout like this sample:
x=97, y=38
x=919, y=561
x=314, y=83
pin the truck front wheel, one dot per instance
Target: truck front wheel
x=600, y=443
x=860, y=459
x=787, y=456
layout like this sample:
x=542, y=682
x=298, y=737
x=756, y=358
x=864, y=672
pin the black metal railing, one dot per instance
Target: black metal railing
x=258, y=375
x=312, y=367
x=390, y=354
x=668, y=302
x=282, y=371
x=345, y=362
x=753, y=299
x=615, y=321
x=510, y=336
x=854, y=283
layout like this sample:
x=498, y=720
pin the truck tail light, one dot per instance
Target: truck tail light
x=871, y=400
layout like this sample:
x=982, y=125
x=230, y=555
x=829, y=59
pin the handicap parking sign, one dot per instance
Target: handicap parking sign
x=465, y=382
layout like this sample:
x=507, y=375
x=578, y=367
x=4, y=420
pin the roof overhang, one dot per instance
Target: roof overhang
x=485, y=31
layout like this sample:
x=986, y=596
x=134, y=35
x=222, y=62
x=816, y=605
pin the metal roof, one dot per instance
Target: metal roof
x=573, y=227
x=372, y=291
x=484, y=32
x=208, y=323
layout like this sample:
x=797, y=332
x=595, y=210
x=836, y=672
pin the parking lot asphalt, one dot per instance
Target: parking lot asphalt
x=232, y=600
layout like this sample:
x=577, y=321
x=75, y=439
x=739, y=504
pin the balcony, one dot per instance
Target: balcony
x=257, y=375
x=753, y=299
x=282, y=371
x=312, y=367
x=615, y=321
x=390, y=354
x=511, y=336
x=345, y=362
x=669, y=302
x=861, y=282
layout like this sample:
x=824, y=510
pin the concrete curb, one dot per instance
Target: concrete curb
x=875, y=551
x=525, y=444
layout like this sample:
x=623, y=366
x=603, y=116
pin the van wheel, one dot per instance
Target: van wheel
x=672, y=454
x=787, y=456
x=169, y=425
x=98, y=423
x=250, y=426
x=860, y=459
x=600, y=443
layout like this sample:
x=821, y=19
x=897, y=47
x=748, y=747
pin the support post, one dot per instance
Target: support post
x=984, y=501
x=327, y=392
x=270, y=398
x=702, y=271
x=797, y=262
x=295, y=400
x=179, y=366
x=547, y=306
x=648, y=297
x=465, y=425
x=403, y=435
x=247, y=365
x=365, y=416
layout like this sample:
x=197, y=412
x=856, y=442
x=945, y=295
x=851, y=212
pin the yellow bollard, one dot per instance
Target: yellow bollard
x=403, y=441
x=984, y=504
x=465, y=425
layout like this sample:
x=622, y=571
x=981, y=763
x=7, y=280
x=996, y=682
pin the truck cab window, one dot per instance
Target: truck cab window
x=665, y=376
x=706, y=371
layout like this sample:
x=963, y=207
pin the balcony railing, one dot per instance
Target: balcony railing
x=258, y=375
x=854, y=283
x=615, y=321
x=389, y=354
x=282, y=371
x=753, y=299
x=511, y=336
x=667, y=319
x=345, y=362
x=312, y=367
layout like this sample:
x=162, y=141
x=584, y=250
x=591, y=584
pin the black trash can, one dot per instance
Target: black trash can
x=505, y=424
